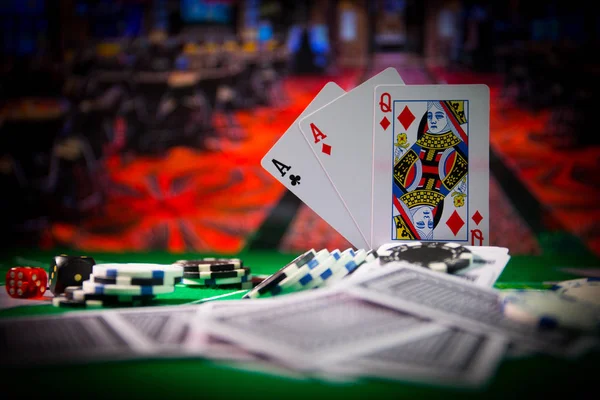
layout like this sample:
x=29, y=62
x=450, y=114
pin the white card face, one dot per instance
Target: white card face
x=292, y=163
x=340, y=135
x=431, y=164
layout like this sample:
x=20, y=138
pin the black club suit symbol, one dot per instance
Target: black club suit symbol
x=295, y=179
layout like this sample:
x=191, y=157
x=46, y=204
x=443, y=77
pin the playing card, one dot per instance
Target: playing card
x=340, y=136
x=75, y=337
x=451, y=300
x=166, y=327
x=292, y=163
x=306, y=330
x=452, y=357
x=431, y=164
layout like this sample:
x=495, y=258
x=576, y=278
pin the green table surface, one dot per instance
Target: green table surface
x=530, y=377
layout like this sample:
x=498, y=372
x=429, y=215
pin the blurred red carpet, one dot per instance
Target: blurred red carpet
x=192, y=200
x=563, y=179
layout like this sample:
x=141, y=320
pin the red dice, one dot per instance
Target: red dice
x=26, y=282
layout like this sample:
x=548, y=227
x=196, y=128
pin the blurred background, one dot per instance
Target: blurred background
x=139, y=125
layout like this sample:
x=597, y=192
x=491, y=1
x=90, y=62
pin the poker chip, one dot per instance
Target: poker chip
x=210, y=268
x=138, y=270
x=288, y=270
x=108, y=301
x=212, y=264
x=217, y=282
x=437, y=256
x=76, y=293
x=90, y=286
x=61, y=301
x=321, y=274
x=348, y=267
x=132, y=281
x=301, y=273
x=369, y=257
x=217, y=274
x=584, y=290
x=547, y=309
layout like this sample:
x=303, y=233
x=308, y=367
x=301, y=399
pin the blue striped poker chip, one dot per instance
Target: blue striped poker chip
x=326, y=274
x=138, y=270
x=101, y=289
x=272, y=281
x=291, y=281
x=312, y=264
x=127, y=280
x=547, y=309
x=575, y=283
x=584, y=289
x=313, y=277
x=350, y=266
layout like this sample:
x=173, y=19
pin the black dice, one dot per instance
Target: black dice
x=69, y=271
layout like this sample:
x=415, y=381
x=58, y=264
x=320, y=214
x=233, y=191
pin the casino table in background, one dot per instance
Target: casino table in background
x=531, y=377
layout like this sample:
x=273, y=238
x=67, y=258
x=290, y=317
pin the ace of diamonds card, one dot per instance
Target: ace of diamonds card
x=431, y=164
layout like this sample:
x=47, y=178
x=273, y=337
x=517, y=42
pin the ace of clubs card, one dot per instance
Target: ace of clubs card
x=292, y=163
x=340, y=136
x=431, y=164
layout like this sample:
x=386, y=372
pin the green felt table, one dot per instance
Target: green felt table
x=530, y=377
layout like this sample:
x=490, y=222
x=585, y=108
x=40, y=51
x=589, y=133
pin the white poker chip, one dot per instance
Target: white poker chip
x=548, y=309
x=216, y=282
x=211, y=263
x=133, y=281
x=91, y=287
x=138, y=270
x=584, y=289
x=321, y=274
x=290, y=281
x=348, y=267
x=314, y=277
x=265, y=287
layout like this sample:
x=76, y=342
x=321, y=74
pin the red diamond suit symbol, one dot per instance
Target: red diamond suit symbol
x=455, y=222
x=406, y=117
x=385, y=123
x=477, y=217
x=326, y=149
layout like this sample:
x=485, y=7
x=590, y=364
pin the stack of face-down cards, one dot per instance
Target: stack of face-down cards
x=392, y=163
x=390, y=320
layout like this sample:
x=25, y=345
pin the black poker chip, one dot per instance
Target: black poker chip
x=210, y=267
x=207, y=263
x=76, y=293
x=437, y=256
x=217, y=274
x=137, y=281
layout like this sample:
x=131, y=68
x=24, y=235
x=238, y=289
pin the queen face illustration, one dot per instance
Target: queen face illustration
x=423, y=221
x=437, y=120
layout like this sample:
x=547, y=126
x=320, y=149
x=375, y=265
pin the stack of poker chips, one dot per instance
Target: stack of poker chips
x=313, y=270
x=215, y=272
x=121, y=285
